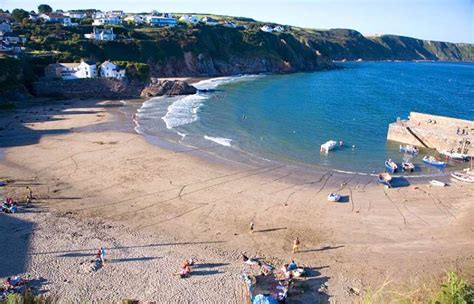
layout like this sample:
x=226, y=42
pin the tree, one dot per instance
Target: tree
x=19, y=14
x=44, y=9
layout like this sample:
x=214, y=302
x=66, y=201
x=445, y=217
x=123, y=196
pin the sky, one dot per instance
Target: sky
x=443, y=20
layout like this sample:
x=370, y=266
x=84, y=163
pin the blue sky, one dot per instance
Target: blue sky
x=445, y=20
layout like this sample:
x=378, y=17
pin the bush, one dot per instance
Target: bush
x=455, y=290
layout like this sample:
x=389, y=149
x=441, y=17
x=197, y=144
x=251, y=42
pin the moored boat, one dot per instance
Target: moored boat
x=391, y=166
x=385, y=179
x=408, y=167
x=455, y=155
x=409, y=149
x=430, y=160
x=328, y=146
x=334, y=197
x=463, y=176
x=437, y=183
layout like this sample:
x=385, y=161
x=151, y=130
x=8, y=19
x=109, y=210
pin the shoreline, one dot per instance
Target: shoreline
x=86, y=165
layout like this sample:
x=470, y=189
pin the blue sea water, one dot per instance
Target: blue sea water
x=288, y=117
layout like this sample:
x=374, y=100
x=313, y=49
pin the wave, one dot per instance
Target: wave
x=219, y=140
x=185, y=110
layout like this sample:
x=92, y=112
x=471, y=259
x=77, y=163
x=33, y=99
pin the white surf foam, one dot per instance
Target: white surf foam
x=219, y=140
x=185, y=110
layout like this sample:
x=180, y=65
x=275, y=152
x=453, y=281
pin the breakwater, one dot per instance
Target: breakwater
x=435, y=132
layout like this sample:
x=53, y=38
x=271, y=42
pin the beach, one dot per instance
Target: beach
x=98, y=183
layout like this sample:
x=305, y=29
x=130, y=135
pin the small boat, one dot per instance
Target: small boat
x=430, y=160
x=334, y=197
x=391, y=166
x=455, y=155
x=328, y=146
x=409, y=149
x=385, y=179
x=437, y=183
x=463, y=176
x=408, y=167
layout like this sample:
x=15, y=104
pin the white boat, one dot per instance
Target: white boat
x=328, y=146
x=455, y=155
x=432, y=161
x=385, y=179
x=334, y=197
x=408, y=167
x=409, y=149
x=464, y=177
x=437, y=183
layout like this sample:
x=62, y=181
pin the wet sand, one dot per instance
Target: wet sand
x=98, y=183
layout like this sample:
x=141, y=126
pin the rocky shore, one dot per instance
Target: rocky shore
x=110, y=88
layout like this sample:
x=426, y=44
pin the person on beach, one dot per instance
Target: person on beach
x=251, y=227
x=296, y=245
x=101, y=255
x=29, y=195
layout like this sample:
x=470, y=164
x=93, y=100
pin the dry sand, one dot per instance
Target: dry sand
x=97, y=183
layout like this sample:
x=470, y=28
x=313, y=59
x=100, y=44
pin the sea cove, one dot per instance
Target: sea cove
x=287, y=117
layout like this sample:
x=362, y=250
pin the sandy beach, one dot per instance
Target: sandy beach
x=97, y=183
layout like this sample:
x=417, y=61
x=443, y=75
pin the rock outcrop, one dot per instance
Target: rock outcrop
x=101, y=88
x=168, y=88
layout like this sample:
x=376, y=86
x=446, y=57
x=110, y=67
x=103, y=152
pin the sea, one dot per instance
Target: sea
x=286, y=118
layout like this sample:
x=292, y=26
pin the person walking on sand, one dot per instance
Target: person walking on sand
x=296, y=245
x=102, y=253
x=251, y=227
x=29, y=196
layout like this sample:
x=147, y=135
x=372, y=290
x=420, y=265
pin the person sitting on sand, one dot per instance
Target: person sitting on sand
x=187, y=263
x=292, y=266
x=184, y=272
x=265, y=269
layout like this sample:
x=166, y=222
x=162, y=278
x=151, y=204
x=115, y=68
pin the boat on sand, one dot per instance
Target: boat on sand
x=334, y=197
x=385, y=179
x=463, y=176
x=434, y=182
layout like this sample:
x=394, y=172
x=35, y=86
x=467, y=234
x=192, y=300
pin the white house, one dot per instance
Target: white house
x=69, y=71
x=164, y=20
x=119, y=14
x=101, y=34
x=107, y=20
x=5, y=28
x=189, y=19
x=111, y=70
x=75, y=14
x=56, y=18
x=279, y=29
x=266, y=28
x=136, y=19
x=210, y=21
x=230, y=24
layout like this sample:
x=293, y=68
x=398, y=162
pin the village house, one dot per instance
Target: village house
x=210, y=21
x=5, y=28
x=57, y=18
x=135, y=19
x=102, y=19
x=279, y=29
x=266, y=28
x=76, y=14
x=101, y=34
x=111, y=70
x=230, y=24
x=161, y=21
x=119, y=14
x=33, y=16
x=189, y=19
x=69, y=71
